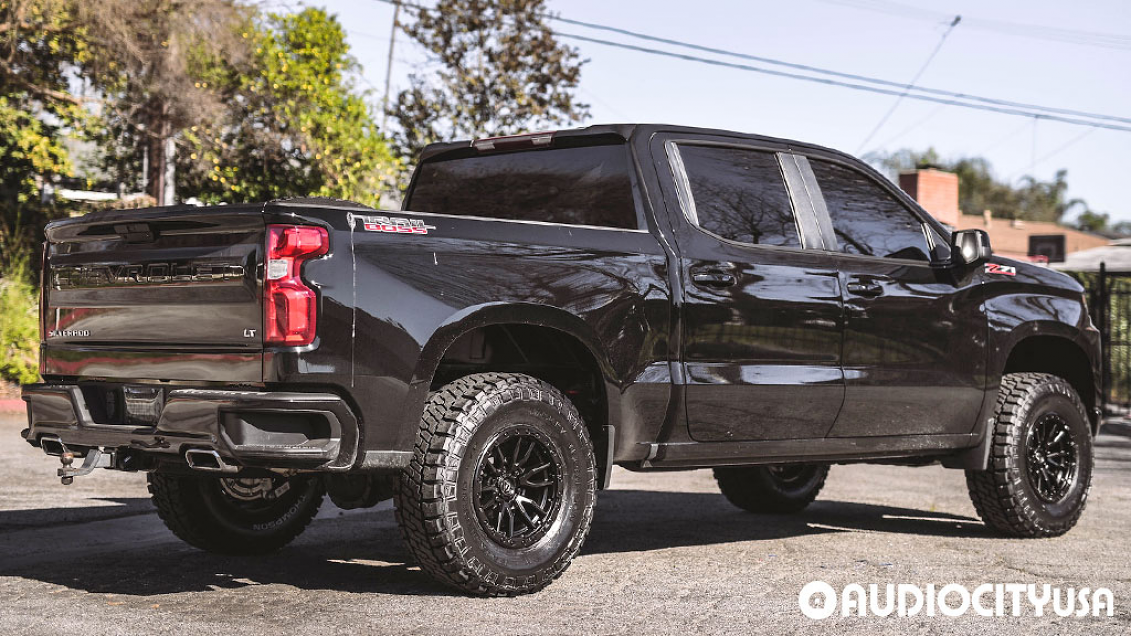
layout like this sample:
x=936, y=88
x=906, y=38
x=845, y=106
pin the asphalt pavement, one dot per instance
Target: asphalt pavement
x=667, y=555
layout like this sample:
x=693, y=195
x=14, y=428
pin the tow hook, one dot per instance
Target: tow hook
x=95, y=458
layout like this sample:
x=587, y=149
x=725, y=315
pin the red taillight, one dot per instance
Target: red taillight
x=290, y=307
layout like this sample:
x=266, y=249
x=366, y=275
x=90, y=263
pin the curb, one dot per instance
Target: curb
x=11, y=406
x=1122, y=428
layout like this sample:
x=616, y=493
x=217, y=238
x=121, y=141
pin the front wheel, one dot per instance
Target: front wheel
x=1041, y=463
x=499, y=494
x=776, y=488
x=236, y=515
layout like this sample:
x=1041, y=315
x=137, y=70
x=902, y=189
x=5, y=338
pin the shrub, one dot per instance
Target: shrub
x=19, y=321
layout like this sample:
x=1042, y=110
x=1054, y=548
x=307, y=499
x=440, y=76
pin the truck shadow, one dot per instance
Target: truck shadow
x=363, y=553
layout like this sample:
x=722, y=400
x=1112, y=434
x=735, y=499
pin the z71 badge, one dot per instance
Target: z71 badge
x=392, y=225
x=1004, y=270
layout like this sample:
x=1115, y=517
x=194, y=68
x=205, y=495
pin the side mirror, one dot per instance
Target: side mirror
x=970, y=247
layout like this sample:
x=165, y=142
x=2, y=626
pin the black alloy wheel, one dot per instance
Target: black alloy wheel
x=236, y=515
x=774, y=488
x=499, y=495
x=517, y=487
x=1053, y=458
x=1041, y=457
x=790, y=475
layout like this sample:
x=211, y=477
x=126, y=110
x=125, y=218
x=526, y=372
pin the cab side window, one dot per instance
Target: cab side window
x=866, y=218
x=740, y=195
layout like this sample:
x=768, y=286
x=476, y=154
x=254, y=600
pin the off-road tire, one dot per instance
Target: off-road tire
x=763, y=489
x=1005, y=495
x=201, y=514
x=438, y=502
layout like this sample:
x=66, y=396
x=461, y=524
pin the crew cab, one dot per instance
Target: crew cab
x=545, y=307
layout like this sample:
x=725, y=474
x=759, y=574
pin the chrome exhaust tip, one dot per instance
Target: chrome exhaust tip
x=208, y=460
x=52, y=445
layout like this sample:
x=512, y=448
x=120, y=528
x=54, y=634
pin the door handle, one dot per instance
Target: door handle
x=870, y=290
x=714, y=278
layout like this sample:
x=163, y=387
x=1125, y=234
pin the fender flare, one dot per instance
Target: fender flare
x=475, y=317
x=977, y=457
x=1036, y=328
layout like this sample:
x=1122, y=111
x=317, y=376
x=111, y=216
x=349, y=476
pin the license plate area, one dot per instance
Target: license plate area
x=124, y=404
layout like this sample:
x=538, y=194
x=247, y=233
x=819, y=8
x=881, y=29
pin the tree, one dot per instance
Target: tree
x=40, y=40
x=143, y=55
x=1092, y=221
x=294, y=124
x=39, y=43
x=978, y=189
x=502, y=72
x=1047, y=200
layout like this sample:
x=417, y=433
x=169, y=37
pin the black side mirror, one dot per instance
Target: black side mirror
x=970, y=247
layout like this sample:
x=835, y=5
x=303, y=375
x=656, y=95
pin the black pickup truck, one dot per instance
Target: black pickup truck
x=545, y=307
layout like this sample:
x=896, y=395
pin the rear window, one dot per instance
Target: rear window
x=584, y=186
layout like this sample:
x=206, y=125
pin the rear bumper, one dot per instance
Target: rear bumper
x=313, y=431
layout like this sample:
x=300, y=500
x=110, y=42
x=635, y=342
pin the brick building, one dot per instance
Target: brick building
x=937, y=192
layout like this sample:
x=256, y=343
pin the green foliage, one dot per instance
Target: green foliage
x=502, y=72
x=19, y=320
x=978, y=188
x=260, y=106
x=1092, y=221
x=28, y=148
x=143, y=55
x=39, y=43
x=295, y=125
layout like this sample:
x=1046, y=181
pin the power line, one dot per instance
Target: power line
x=1013, y=133
x=911, y=84
x=929, y=116
x=860, y=82
x=614, y=110
x=859, y=87
x=822, y=71
x=1061, y=148
x=1086, y=38
x=1052, y=153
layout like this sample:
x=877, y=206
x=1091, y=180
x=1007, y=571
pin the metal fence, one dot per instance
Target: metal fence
x=1109, y=300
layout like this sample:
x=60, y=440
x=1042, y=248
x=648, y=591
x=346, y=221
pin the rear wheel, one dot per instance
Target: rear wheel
x=775, y=488
x=1041, y=459
x=233, y=515
x=499, y=495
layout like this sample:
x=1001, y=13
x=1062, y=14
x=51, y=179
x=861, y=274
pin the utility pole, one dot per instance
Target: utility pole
x=389, y=67
x=169, y=194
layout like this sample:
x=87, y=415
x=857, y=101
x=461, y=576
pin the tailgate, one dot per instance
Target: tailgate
x=155, y=294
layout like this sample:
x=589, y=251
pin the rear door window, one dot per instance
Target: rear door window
x=586, y=185
x=739, y=195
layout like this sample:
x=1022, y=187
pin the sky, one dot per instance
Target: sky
x=986, y=54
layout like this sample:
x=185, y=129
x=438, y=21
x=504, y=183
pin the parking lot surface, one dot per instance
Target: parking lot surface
x=667, y=555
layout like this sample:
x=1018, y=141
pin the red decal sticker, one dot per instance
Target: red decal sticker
x=391, y=225
x=1004, y=270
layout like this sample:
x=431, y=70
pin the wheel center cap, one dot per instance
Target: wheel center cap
x=507, y=489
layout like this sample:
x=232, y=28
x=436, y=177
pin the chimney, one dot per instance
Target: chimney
x=988, y=217
x=935, y=190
